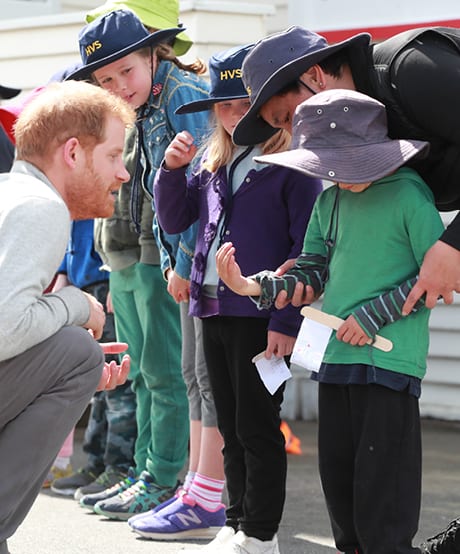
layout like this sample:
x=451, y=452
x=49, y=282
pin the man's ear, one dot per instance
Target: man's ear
x=314, y=77
x=71, y=150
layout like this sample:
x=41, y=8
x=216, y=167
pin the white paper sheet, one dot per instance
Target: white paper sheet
x=310, y=345
x=273, y=372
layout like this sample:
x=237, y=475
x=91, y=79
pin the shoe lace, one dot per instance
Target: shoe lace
x=137, y=488
x=121, y=484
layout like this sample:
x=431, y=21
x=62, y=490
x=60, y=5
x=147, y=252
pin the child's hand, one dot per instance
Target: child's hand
x=351, y=332
x=180, y=151
x=178, y=287
x=230, y=273
x=279, y=344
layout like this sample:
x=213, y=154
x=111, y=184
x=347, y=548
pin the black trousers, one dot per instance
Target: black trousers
x=369, y=444
x=248, y=417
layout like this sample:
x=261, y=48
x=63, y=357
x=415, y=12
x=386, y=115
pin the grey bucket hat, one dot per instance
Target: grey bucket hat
x=274, y=62
x=341, y=136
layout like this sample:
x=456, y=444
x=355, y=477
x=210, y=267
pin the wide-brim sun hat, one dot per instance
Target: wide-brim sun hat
x=113, y=36
x=341, y=136
x=225, y=79
x=8, y=92
x=156, y=14
x=276, y=61
x=9, y=113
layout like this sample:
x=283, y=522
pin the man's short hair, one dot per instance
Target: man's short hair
x=65, y=110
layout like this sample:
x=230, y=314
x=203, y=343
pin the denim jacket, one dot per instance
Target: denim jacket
x=156, y=127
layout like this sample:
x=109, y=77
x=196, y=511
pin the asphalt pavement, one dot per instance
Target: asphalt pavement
x=57, y=525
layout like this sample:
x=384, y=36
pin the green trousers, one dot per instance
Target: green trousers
x=147, y=318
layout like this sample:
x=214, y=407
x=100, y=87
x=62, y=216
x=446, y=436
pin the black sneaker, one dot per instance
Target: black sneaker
x=445, y=542
x=105, y=480
x=66, y=486
x=89, y=500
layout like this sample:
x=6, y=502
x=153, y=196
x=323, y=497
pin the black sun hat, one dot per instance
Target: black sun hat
x=274, y=62
x=113, y=36
x=7, y=92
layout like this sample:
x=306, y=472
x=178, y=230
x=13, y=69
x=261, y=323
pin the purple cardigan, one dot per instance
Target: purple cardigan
x=267, y=223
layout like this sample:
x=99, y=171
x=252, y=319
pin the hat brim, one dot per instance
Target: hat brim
x=252, y=129
x=349, y=164
x=182, y=42
x=155, y=38
x=206, y=104
x=8, y=92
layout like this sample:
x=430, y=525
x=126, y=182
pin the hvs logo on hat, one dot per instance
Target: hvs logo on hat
x=227, y=74
x=91, y=48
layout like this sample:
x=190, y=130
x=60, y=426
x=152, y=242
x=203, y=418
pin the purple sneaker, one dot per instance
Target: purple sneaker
x=182, y=519
x=180, y=492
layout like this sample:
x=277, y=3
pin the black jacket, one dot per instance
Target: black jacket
x=416, y=74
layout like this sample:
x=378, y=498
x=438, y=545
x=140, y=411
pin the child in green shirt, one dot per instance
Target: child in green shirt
x=367, y=235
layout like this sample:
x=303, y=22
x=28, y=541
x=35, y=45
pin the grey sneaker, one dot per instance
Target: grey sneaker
x=88, y=501
x=66, y=486
x=105, y=480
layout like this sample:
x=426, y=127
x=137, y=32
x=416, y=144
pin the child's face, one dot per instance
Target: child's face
x=129, y=77
x=354, y=188
x=230, y=112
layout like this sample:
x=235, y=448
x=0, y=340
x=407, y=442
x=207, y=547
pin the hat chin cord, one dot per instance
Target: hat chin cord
x=306, y=86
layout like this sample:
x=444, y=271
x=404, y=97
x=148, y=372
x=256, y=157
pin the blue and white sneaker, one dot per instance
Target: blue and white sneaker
x=182, y=519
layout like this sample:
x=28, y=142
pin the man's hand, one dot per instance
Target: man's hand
x=178, y=287
x=180, y=151
x=302, y=294
x=439, y=276
x=230, y=273
x=114, y=374
x=351, y=332
x=279, y=344
x=96, y=320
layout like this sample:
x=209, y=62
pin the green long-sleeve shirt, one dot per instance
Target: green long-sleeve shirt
x=379, y=238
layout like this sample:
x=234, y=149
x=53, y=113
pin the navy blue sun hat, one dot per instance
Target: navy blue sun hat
x=225, y=77
x=274, y=62
x=113, y=36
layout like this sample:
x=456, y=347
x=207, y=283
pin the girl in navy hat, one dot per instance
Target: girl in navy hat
x=265, y=211
x=120, y=55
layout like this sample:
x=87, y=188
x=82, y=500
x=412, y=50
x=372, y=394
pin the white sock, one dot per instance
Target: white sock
x=188, y=480
x=207, y=492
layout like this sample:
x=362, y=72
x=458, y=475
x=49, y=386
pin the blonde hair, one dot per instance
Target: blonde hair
x=220, y=148
x=65, y=110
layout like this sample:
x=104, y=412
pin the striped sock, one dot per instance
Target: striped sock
x=188, y=480
x=207, y=492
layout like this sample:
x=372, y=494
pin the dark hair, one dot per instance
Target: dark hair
x=333, y=64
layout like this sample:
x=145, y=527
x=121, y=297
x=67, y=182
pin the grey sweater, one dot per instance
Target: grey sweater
x=34, y=231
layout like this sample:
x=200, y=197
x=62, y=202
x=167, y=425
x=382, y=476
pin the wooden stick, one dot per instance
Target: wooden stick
x=335, y=322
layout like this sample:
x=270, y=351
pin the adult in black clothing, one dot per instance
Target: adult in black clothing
x=6, y=146
x=416, y=74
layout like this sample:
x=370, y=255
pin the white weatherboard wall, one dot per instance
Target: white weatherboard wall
x=36, y=46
